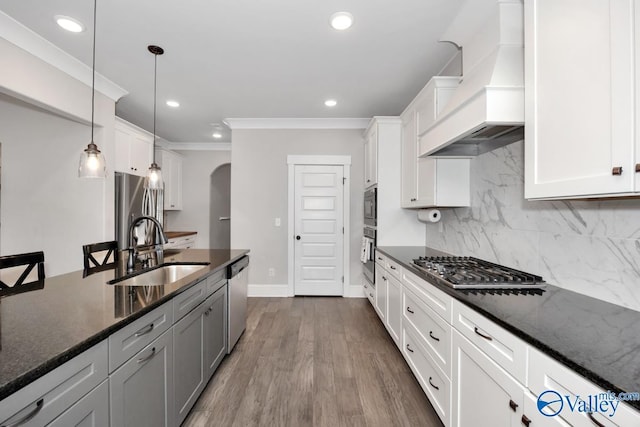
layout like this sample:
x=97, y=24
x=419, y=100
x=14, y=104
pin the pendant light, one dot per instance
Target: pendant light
x=153, y=181
x=92, y=164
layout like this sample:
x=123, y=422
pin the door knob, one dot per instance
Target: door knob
x=297, y=237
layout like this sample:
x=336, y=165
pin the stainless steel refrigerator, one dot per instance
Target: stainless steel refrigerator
x=133, y=201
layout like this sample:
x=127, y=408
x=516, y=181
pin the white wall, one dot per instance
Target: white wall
x=259, y=194
x=588, y=246
x=197, y=167
x=44, y=126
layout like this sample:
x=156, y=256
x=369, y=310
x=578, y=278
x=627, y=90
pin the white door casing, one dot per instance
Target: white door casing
x=319, y=215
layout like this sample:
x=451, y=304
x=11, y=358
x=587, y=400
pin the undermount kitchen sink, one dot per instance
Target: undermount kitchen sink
x=162, y=275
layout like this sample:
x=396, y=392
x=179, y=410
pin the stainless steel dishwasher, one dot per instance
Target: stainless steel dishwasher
x=237, y=273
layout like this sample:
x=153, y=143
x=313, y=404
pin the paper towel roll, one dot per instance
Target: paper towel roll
x=429, y=215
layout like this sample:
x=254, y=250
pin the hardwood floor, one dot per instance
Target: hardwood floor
x=313, y=361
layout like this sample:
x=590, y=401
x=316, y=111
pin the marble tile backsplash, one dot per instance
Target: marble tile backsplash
x=590, y=247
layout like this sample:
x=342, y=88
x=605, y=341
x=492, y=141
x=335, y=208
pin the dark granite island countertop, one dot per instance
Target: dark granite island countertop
x=597, y=339
x=43, y=328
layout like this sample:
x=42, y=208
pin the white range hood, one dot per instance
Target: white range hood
x=486, y=111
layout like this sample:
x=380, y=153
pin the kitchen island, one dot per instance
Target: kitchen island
x=42, y=329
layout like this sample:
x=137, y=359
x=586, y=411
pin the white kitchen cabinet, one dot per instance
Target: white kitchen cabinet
x=581, y=115
x=482, y=391
x=45, y=399
x=133, y=149
x=90, y=411
x=215, y=329
x=141, y=390
x=532, y=417
x=428, y=182
x=188, y=361
x=381, y=293
x=394, y=309
x=182, y=242
x=369, y=292
x=171, y=165
x=371, y=156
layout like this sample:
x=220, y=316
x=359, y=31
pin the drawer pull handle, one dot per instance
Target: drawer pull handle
x=366, y=286
x=206, y=313
x=144, y=359
x=513, y=405
x=29, y=416
x=526, y=421
x=486, y=337
x=371, y=295
x=384, y=278
x=409, y=348
x=637, y=167
x=616, y=170
x=392, y=267
x=409, y=310
x=144, y=330
x=379, y=259
x=413, y=199
x=433, y=385
x=432, y=337
x=593, y=420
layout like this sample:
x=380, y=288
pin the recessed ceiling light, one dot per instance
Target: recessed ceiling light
x=341, y=20
x=217, y=135
x=69, y=24
x=174, y=104
x=330, y=102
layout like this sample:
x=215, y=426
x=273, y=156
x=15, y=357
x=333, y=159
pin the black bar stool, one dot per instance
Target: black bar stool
x=110, y=260
x=30, y=261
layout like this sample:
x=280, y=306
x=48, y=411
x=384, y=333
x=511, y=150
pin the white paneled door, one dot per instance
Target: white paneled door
x=318, y=230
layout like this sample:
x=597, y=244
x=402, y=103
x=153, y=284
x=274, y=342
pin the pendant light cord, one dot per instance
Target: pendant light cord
x=155, y=90
x=93, y=76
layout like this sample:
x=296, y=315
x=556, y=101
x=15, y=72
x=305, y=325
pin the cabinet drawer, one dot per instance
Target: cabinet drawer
x=369, y=292
x=433, y=381
x=548, y=374
x=134, y=337
x=434, y=332
x=437, y=300
x=90, y=411
x=216, y=281
x=381, y=260
x=49, y=396
x=189, y=299
x=394, y=268
x=504, y=348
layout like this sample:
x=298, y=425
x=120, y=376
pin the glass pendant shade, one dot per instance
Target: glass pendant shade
x=153, y=180
x=92, y=164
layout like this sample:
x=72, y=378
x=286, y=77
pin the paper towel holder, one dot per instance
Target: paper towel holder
x=429, y=215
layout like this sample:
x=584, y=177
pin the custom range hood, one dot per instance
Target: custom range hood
x=486, y=111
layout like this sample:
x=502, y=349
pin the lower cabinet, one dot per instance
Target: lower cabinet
x=394, y=309
x=141, y=390
x=90, y=411
x=381, y=293
x=534, y=418
x=482, y=391
x=215, y=327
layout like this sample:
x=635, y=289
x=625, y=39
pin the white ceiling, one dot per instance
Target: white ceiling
x=252, y=58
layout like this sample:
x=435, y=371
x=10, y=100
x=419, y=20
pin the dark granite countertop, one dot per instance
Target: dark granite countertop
x=597, y=339
x=43, y=328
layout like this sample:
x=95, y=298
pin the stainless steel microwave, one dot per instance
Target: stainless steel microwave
x=370, y=207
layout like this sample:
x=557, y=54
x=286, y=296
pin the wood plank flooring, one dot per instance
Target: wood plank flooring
x=313, y=361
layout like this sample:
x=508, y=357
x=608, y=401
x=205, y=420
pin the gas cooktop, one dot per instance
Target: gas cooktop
x=474, y=273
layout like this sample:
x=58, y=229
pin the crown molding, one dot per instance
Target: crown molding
x=31, y=42
x=198, y=146
x=297, y=123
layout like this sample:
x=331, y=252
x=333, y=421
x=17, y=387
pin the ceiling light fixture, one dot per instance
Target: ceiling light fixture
x=92, y=164
x=341, y=20
x=174, y=104
x=69, y=24
x=217, y=135
x=153, y=181
x=330, y=102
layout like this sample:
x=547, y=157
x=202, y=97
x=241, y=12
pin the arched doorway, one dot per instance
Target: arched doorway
x=220, y=208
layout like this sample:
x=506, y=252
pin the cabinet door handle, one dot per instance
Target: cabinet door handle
x=368, y=180
x=366, y=286
x=594, y=421
x=486, y=337
x=379, y=259
x=392, y=267
x=144, y=330
x=414, y=199
x=432, y=384
x=206, y=313
x=384, y=278
x=432, y=337
x=513, y=405
x=144, y=359
x=409, y=310
x=173, y=206
x=30, y=415
x=526, y=421
x=371, y=295
x=637, y=167
x=616, y=170
x=409, y=348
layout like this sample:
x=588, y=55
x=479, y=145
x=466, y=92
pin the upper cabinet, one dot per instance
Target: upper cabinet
x=580, y=112
x=428, y=182
x=133, y=148
x=371, y=157
x=171, y=165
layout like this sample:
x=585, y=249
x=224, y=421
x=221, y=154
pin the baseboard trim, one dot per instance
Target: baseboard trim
x=268, y=290
x=354, y=291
